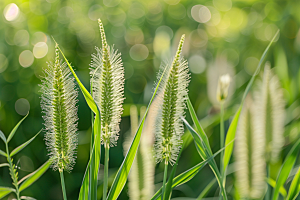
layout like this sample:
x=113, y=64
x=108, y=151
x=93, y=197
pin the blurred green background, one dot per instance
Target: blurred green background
x=222, y=36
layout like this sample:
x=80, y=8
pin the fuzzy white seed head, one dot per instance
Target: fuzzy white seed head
x=223, y=86
x=173, y=93
x=270, y=117
x=107, y=81
x=249, y=154
x=58, y=102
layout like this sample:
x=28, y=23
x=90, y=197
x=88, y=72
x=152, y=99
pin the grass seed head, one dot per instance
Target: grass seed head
x=58, y=102
x=223, y=86
x=249, y=154
x=107, y=81
x=173, y=92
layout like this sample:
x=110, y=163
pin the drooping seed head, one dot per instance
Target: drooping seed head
x=107, y=80
x=249, y=154
x=223, y=86
x=58, y=102
x=270, y=106
x=173, y=92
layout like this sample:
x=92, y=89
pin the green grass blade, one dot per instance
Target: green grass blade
x=187, y=175
x=3, y=153
x=230, y=137
x=197, y=124
x=205, y=154
x=286, y=168
x=122, y=174
x=4, y=165
x=12, y=133
x=34, y=176
x=272, y=183
x=232, y=129
x=89, y=99
x=206, y=189
x=295, y=187
x=22, y=146
x=5, y=191
x=2, y=136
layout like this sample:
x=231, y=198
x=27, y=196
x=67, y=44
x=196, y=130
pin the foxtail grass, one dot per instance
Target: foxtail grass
x=58, y=102
x=107, y=82
x=169, y=125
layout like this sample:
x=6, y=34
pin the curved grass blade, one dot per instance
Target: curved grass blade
x=122, y=174
x=27, y=198
x=205, y=154
x=89, y=99
x=206, y=189
x=295, y=187
x=22, y=146
x=286, y=168
x=187, y=175
x=2, y=136
x=282, y=190
x=5, y=191
x=12, y=133
x=4, y=165
x=34, y=176
x=232, y=128
x=3, y=153
x=197, y=124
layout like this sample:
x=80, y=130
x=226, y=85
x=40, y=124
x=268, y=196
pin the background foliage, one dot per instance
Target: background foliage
x=222, y=36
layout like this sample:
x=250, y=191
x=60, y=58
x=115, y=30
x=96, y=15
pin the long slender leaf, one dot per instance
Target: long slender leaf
x=22, y=146
x=230, y=137
x=282, y=190
x=27, y=198
x=122, y=174
x=197, y=124
x=286, y=168
x=4, y=165
x=295, y=187
x=187, y=175
x=3, y=153
x=12, y=133
x=5, y=191
x=2, y=136
x=205, y=154
x=34, y=176
x=232, y=129
x=89, y=99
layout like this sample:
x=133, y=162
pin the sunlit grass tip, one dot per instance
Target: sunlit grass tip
x=271, y=113
x=107, y=80
x=173, y=93
x=249, y=154
x=58, y=103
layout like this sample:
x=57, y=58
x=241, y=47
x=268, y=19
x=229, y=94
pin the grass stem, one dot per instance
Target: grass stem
x=105, y=181
x=63, y=184
x=165, y=180
x=222, y=143
x=12, y=173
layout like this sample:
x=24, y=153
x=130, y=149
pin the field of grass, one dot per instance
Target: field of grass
x=140, y=99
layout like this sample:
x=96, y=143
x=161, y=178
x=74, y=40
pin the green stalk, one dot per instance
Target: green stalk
x=12, y=173
x=105, y=172
x=222, y=143
x=268, y=194
x=63, y=184
x=164, y=181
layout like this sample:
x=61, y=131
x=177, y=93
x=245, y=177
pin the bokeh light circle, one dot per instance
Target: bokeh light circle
x=139, y=52
x=22, y=106
x=21, y=38
x=40, y=49
x=197, y=64
x=11, y=12
x=26, y=58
